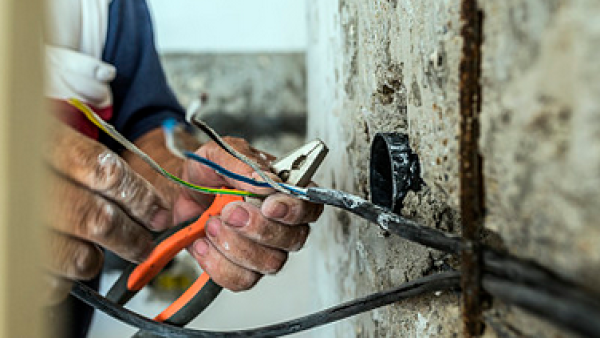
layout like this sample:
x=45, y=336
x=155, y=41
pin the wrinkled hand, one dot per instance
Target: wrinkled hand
x=95, y=200
x=245, y=242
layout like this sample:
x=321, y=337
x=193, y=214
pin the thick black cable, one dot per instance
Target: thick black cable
x=531, y=274
x=387, y=220
x=495, y=262
x=516, y=281
x=558, y=308
x=529, y=278
x=414, y=288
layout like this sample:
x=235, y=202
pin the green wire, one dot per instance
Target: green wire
x=209, y=190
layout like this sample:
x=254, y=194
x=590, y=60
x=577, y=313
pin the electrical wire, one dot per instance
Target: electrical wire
x=170, y=128
x=511, y=279
x=438, y=282
x=112, y=132
x=386, y=219
x=193, y=120
x=515, y=281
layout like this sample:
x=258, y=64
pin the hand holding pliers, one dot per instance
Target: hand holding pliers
x=295, y=169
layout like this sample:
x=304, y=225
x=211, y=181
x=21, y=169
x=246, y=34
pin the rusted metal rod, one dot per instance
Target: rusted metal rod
x=471, y=176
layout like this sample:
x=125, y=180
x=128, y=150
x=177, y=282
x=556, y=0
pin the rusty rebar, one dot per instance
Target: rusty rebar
x=471, y=176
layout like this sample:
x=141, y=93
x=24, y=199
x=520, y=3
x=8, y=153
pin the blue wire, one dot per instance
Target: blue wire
x=233, y=175
x=169, y=128
x=224, y=171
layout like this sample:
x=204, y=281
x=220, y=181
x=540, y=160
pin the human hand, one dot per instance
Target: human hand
x=245, y=242
x=95, y=200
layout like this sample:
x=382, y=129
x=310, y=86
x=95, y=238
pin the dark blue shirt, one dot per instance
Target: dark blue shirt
x=142, y=99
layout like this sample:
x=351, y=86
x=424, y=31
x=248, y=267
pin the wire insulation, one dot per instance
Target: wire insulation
x=112, y=132
x=191, y=118
x=443, y=281
x=170, y=127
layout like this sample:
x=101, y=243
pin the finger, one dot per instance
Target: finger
x=243, y=251
x=73, y=258
x=80, y=213
x=221, y=270
x=92, y=165
x=56, y=289
x=290, y=210
x=248, y=221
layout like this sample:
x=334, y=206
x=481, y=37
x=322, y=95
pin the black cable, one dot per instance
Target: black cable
x=558, y=308
x=387, y=220
x=442, y=281
x=516, y=281
x=503, y=272
x=531, y=274
x=494, y=262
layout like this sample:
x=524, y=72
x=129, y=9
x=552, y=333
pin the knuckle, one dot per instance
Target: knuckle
x=244, y=281
x=140, y=199
x=87, y=262
x=110, y=171
x=102, y=220
x=274, y=262
x=301, y=237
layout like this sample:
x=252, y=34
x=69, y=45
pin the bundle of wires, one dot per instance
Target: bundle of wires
x=169, y=128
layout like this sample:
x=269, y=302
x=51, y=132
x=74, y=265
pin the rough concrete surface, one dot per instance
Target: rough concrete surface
x=378, y=66
x=392, y=65
x=541, y=134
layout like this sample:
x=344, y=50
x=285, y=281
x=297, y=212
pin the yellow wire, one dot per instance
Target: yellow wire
x=87, y=111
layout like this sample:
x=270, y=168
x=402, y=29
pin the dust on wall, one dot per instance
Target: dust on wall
x=392, y=65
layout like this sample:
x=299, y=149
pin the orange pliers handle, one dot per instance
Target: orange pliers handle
x=166, y=250
x=200, y=294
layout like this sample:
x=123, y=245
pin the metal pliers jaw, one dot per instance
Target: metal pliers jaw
x=298, y=167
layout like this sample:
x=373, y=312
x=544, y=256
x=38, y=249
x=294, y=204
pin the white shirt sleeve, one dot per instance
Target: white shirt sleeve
x=74, y=49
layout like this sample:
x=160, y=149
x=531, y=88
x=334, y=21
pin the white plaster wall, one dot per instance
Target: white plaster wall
x=331, y=259
x=230, y=25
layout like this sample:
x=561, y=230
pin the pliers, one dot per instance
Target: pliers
x=297, y=169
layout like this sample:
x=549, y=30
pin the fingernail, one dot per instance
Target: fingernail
x=239, y=217
x=279, y=210
x=213, y=227
x=201, y=247
x=161, y=220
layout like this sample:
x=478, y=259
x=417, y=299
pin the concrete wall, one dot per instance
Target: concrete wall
x=392, y=65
